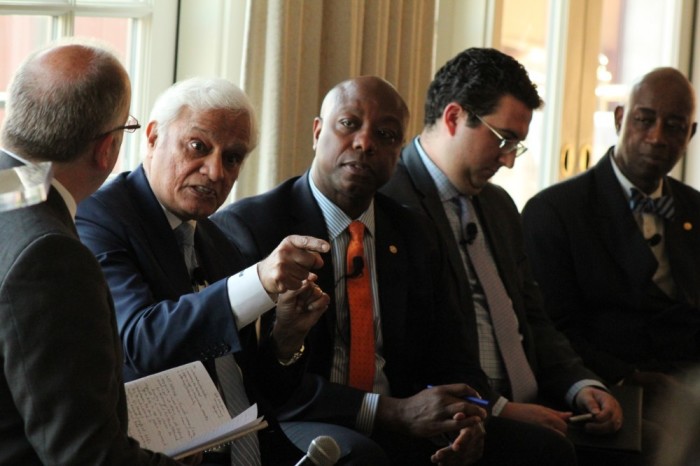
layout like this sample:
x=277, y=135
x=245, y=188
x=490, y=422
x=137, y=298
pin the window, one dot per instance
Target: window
x=141, y=32
x=601, y=50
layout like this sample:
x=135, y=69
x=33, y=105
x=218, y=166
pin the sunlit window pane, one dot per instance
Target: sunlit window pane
x=113, y=31
x=24, y=34
x=525, y=37
x=97, y=2
x=116, y=33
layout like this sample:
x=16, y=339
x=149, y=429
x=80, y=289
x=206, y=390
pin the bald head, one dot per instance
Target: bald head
x=371, y=87
x=61, y=98
x=666, y=81
x=655, y=127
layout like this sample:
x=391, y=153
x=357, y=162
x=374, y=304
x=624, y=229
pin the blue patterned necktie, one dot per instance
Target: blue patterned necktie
x=185, y=238
x=661, y=206
x=245, y=451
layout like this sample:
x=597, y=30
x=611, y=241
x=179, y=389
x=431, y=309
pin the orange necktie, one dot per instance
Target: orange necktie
x=361, y=315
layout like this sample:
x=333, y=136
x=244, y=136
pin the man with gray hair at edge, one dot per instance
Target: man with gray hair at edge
x=62, y=397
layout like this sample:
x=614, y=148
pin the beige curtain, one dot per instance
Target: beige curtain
x=298, y=49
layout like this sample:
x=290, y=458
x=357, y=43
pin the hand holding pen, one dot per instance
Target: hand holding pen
x=466, y=445
x=472, y=399
x=431, y=412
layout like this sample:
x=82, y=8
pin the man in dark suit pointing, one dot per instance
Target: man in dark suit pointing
x=417, y=335
x=181, y=291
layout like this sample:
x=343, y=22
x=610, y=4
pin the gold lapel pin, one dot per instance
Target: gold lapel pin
x=393, y=249
x=687, y=226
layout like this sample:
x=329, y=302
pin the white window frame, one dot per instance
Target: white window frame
x=151, y=59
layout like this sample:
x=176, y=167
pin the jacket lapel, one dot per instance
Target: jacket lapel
x=621, y=234
x=432, y=206
x=161, y=241
x=681, y=243
x=7, y=161
x=392, y=273
x=306, y=218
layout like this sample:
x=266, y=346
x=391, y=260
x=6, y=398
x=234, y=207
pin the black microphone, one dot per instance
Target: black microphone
x=199, y=281
x=471, y=234
x=358, y=265
x=654, y=240
x=323, y=451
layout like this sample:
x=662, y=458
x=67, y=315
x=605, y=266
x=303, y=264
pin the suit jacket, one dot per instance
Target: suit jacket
x=423, y=342
x=62, y=397
x=595, y=269
x=162, y=322
x=555, y=364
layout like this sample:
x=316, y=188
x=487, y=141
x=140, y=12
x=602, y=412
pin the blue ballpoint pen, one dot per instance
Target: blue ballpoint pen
x=473, y=399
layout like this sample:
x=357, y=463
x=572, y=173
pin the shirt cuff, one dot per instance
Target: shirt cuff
x=575, y=388
x=247, y=296
x=367, y=414
x=498, y=406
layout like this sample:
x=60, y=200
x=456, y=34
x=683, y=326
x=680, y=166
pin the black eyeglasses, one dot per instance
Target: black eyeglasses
x=506, y=145
x=132, y=124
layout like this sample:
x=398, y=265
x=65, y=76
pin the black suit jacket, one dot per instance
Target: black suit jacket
x=423, y=340
x=62, y=397
x=595, y=269
x=556, y=366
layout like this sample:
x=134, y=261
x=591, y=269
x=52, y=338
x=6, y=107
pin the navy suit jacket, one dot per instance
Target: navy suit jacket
x=423, y=341
x=595, y=269
x=556, y=366
x=162, y=322
x=62, y=396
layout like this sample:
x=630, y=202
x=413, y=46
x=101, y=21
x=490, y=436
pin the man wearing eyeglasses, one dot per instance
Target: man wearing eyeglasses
x=478, y=110
x=62, y=397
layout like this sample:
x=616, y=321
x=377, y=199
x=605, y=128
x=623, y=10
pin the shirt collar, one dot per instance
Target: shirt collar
x=336, y=220
x=174, y=220
x=66, y=196
x=627, y=184
x=445, y=188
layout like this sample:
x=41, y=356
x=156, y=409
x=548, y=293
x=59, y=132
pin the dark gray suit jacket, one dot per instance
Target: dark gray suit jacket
x=595, y=269
x=555, y=364
x=61, y=392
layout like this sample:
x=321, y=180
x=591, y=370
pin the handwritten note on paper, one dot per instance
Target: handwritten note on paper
x=245, y=423
x=172, y=407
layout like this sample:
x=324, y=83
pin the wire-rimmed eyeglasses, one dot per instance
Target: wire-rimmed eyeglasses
x=132, y=124
x=506, y=145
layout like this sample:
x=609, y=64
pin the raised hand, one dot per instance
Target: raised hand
x=290, y=263
x=297, y=311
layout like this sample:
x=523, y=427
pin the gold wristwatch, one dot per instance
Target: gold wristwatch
x=295, y=357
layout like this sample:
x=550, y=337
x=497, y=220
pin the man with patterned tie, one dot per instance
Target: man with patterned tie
x=181, y=292
x=616, y=250
x=478, y=110
x=392, y=327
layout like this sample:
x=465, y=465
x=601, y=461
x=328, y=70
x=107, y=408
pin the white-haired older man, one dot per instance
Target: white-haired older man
x=179, y=291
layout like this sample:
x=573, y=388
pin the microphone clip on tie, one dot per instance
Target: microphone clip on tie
x=471, y=231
